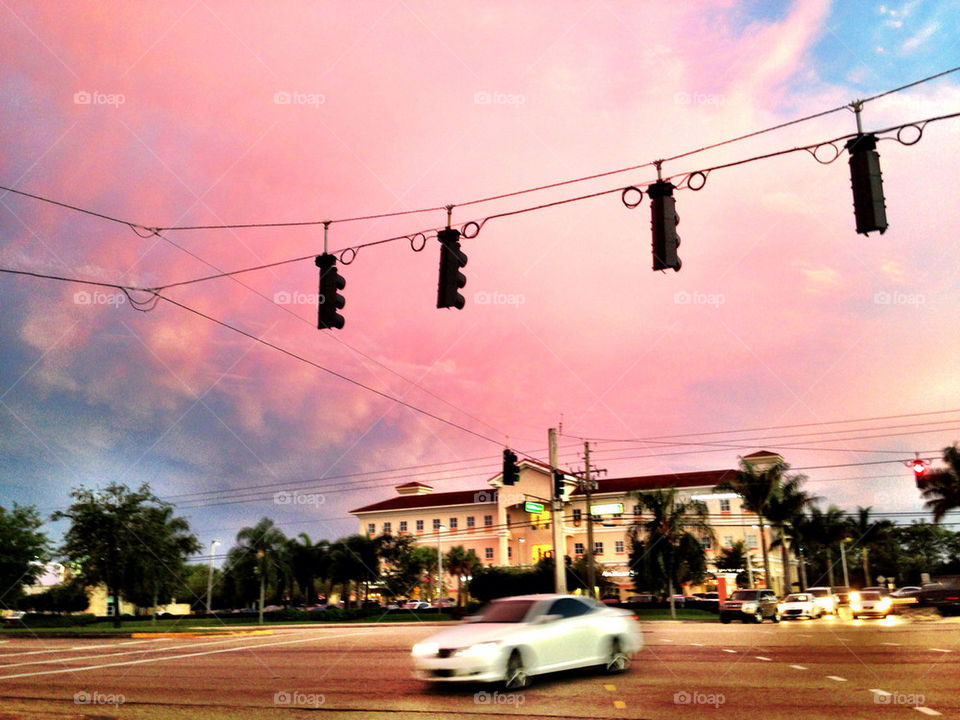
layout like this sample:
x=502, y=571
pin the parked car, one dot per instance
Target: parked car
x=639, y=600
x=678, y=600
x=416, y=605
x=798, y=605
x=447, y=602
x=750, y=606
x=13, y=617
x=709, y=601
x=512, y=639
x=825, y=599
x=870, y=603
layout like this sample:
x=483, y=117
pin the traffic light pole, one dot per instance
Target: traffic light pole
x=587, y=488
x=556, y=506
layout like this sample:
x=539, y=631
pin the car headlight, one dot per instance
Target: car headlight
x=425, y=649
x=854, y=597
x=749, y=607
x=884, y=604
x=855, y=605
x=484, y=649
x=780, y=607
x=828, y=602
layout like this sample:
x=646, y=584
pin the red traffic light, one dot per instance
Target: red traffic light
x=919, y=467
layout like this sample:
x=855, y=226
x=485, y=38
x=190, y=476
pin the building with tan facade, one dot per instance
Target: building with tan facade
x=492, y=519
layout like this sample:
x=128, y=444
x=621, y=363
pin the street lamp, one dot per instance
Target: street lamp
x=210, y=576
x=439, y=570
x=520, y=542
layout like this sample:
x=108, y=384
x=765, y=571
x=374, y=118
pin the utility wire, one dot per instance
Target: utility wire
x=398, y=213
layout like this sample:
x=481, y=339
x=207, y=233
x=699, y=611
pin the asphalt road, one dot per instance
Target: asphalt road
x=828, y=668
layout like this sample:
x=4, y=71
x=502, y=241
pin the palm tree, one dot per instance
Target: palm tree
x=460, y=563
x=734, y=558
x=865, y=532
x=830, y=529
x=268, y=544
x=672, y=547
x=941, y=488
x=306, y=564
x=799, y=534
x=756, y=487
x=786, y=503
x=354, y=559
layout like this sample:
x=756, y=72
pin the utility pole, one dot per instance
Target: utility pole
x=210, y=577
x=587, y=489
x=556, y=507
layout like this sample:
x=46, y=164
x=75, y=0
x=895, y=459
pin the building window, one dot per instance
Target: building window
x=578, y=548
x=488, y=553
x=598, y=548
x=577, y=514
x=371, y=529
x=618, y=546
x=636, y=511
x=471, y=522
x=436, y=523
x=751, y=541
x=724, y=506
x=728, y=541
x=419, y=525
x=509, y=552
x=403, y=526
x=488, y=520
x=705, y=542
x=386, y=528
x=453, y=523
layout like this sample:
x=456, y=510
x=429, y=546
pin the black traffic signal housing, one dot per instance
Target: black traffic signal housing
x=511, y=471
x=557, y=484
x=869, y=208
x=919, y=468
x=330, y=300
x=663, y=223
x=452, y=258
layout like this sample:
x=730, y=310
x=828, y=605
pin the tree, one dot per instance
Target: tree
x=756, y=487
x=354, y=559
x=266, y=543
x=865, y=532
x=306, y=560
x=110, y=537
x=829, y=530
x=403, y=563
x=941, y=488
x=666, y=548
x=461, y=563
x=788, y=501
x=23, y=551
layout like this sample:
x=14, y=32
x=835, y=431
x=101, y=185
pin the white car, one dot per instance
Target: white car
x=870, y=602
x=824, y=598
x=515, y=638
x=797, y=605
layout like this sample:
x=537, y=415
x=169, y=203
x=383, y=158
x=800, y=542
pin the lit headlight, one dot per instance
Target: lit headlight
x=780, y=607
x=485, y=649
x=829, y=602
x=854, y=597
x=425, y=649
x=855, y=604
x=749, y=607
x=884, y=604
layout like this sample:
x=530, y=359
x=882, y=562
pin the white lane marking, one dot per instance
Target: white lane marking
x=667, y=640
x=926, y=710
x=878, y=691
x=76, y=649
x=697, y=644
x=940, y=650
x=798, y=667
x=729, y=651
x=114, y=654
x=765, y=659
x=62, y=671
x=836, y=677
x=892, y=644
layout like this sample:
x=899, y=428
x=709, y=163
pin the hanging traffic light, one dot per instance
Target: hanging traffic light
x=919, y=468
x=511, y=471
x=452, y=258
x=330, y=300
x=868, y=204
x=663, y=222
x=557, y=484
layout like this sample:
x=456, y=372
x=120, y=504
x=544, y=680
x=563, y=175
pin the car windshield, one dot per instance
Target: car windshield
x=819, y=593
x=504, y=611
x=799, y=597
x=744, y=595
x=870, y=595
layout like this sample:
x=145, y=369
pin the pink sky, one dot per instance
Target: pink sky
x=783, y=328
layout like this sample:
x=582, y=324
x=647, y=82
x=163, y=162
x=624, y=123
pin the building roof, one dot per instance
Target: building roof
x=414, y=483
x=407, y=502
x=699, y=478
x=761, y=454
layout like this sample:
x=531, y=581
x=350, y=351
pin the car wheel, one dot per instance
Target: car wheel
x=725, y=620
x=516, y=675
x=617, y=660
x=776, y=616
x=758, y=616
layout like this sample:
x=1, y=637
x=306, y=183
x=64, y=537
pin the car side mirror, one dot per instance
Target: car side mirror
x=544, y=619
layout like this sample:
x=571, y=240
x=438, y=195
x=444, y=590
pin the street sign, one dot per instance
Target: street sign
x=533, y=507
x=608, y=509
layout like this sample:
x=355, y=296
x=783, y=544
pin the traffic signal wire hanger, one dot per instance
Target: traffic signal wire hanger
x=329, y=299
